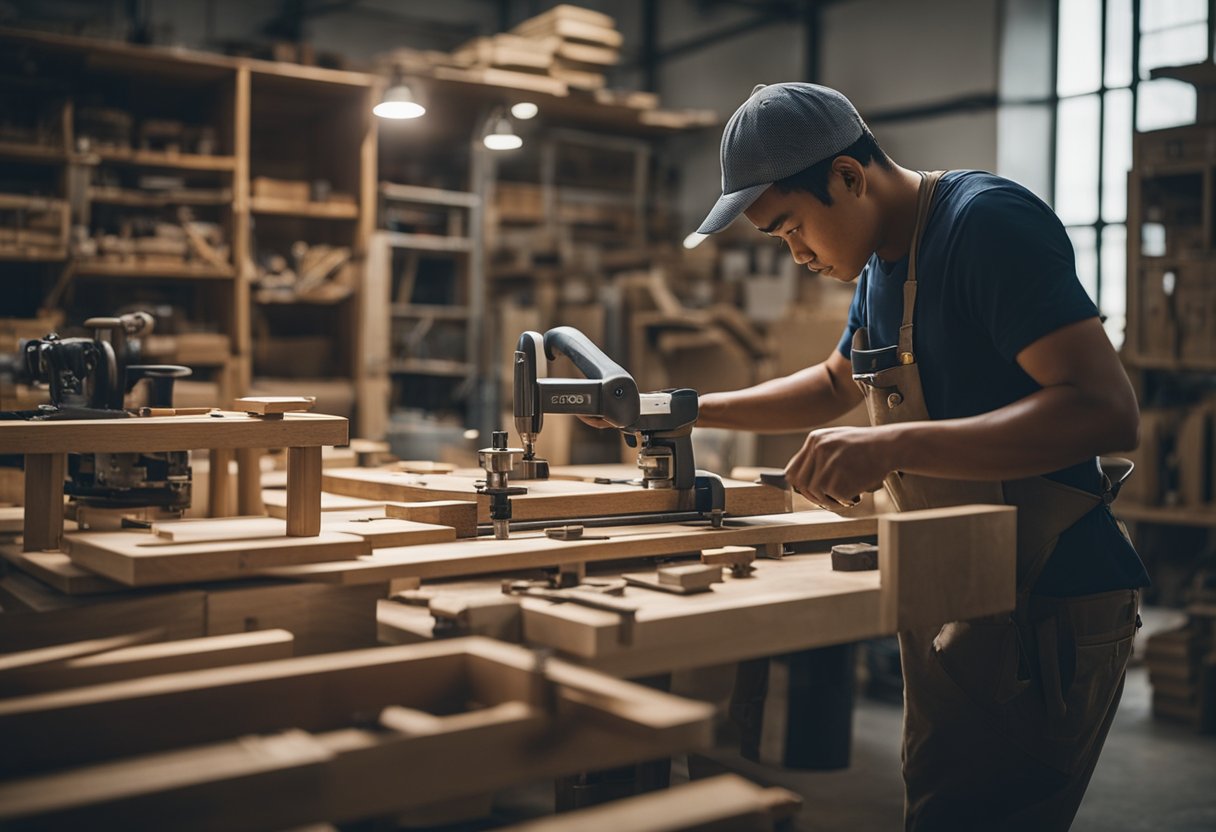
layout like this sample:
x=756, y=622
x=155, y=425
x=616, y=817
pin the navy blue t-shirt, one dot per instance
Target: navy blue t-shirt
x=996, y=272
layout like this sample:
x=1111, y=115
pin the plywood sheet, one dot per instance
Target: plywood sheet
x=532, y=550
x=142, y=559
x=275, y=502
x=57, y=570
x=551, y=499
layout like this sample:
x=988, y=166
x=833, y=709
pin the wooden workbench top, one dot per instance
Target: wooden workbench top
x=173, y=433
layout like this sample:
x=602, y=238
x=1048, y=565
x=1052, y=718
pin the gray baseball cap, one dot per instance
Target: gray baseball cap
x=779, y=130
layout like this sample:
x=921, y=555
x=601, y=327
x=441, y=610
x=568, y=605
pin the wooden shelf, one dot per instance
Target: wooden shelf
x=152, y=199
x=1175, y=515
x=428, y=242
x=137, y=270
x=29, y=152
x=313, y=210
x=1191, y=365
x=31, y=203
x=427, y=310
x=158, y=159
x=431, y=367
x=428, y=196
x=22, y=255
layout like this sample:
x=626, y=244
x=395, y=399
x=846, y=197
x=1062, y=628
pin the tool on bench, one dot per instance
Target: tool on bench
x=659, y=424
x=497, y=461
x=88, y=378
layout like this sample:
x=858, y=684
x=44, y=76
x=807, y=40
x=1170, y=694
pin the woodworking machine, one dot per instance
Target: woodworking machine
x=88, y=378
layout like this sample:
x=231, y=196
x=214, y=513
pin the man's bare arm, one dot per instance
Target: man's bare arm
x=795, y=402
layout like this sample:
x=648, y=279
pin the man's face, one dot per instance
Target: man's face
x=834, y=240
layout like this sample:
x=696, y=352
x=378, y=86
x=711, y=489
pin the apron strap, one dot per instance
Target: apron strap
x=924, y=200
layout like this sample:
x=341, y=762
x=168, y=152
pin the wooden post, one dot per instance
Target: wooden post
x=304, y=491
x=249, y=482
x=219, y=492
x=43, y=528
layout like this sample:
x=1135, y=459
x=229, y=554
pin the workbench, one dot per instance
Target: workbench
x=46, y=444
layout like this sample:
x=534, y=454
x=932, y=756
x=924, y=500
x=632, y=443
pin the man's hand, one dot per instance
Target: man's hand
x=835, y=465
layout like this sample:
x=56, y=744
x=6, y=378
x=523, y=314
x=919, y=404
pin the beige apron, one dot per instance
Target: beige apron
x=1004, y=717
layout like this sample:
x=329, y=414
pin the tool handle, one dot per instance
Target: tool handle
x=590, y=359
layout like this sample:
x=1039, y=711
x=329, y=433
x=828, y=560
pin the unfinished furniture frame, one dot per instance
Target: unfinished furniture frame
x=45, y=446
x=334, y=738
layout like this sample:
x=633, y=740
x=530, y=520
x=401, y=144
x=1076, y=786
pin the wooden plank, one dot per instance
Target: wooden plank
x=44, y=474
x=323, y=618
x=26, y=659
x=725, y=802
x=57, y=570
x=460, y=515
x=124, y=663
x=947, y=564
x=546, y=499
x=268, y=405
x=141, y=559
x=373, y=526
x=532, y=550
x=172, y=433
x=315, y=693
x=275, y=500
x=304, y=491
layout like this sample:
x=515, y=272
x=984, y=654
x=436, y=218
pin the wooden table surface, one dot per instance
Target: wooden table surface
x=172, y=433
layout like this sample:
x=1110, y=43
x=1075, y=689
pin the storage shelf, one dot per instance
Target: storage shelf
x=31, y=203
x=428, y=196
x=313, y=210
x=158, y=159
x=9, y=254
x=426, y=310
x=153, y=199
x=427, y=242
x=29, y=152
x=1192, y=365
x=1178, y=516
x=87, y=269
x=431, y=367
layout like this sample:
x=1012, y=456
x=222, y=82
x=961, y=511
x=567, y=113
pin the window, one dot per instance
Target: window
x=1105, y=53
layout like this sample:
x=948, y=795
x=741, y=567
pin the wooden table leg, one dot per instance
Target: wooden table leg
x=44, y=474
x=304, y=491
x=219, y=491
x=249, y=482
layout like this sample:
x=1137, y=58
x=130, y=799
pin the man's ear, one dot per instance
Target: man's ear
x=852, y=175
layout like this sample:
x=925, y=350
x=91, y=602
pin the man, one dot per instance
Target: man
x=988, y=378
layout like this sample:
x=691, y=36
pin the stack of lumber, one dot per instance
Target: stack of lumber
x=568, y=43
x=1182, y=671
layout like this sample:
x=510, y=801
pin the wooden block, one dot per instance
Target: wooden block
x=249, y=481
x=459, y=514
x=946, y=564
x=304, y=491
x=733, y=557
x=122, y=663
x=269, y=405
x=690, y=576
x=854, y=557
x=323, y=618
x=142, y=559
x=44, y=474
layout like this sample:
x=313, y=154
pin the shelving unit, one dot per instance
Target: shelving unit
x=105, y=153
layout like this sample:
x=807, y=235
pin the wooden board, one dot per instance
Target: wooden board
x=142, y=559
x=173, y=433
x=377, y=529
x=57, y=570
x=532, y=550
x=546, y=499
x=724, y=802
x=150, y=660
x=275, y=501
